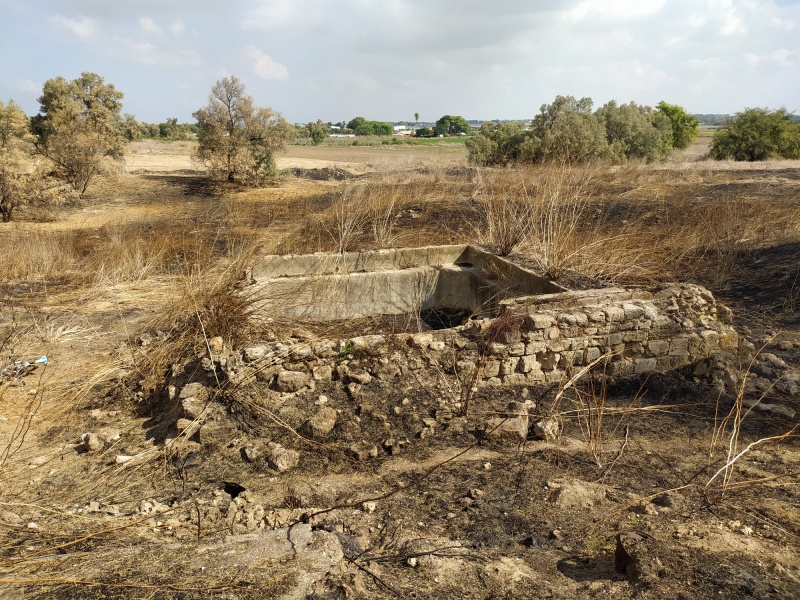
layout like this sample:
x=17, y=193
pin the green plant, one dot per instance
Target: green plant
x=758, y=134
x=237, y=140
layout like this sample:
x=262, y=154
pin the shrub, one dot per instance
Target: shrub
x=758, y=134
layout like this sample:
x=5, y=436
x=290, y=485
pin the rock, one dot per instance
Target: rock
x=253, y=451
x=193, y=398
x=513, y=427
x=773, y=409
x=280, y=458
x=91, y=442
x=109, y=435
x=548, y=429
x=10, y=518
x=363, y=451
x=293, y=381
x=216, y=344
x=576, y=494
x=360, y=376
x=322, y=373
x=322, y=423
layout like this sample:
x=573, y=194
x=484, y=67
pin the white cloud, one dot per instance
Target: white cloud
x=614, y=10
x=783, y=24
x=145, y=53
x=177, y=27
x=780, y=57
x=732, y=23
x=148, y=25
x=265, y=66
x=82, y=26
x=706, y=64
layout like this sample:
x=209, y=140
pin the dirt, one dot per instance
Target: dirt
x=445, y=510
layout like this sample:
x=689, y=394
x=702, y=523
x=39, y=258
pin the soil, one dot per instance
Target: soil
x=443, y=507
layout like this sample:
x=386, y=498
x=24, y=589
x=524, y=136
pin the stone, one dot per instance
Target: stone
x=216, y=344
x=293, y=381
x=281, y=459
x=363, y=451
x=187, y=427
x=548, y=429
x=360, y=376
x=513, y=427
x=10, y=518
x=322, y=373
x=91, y=442
x=253, y=451
x=322, y=423
x=109, y=435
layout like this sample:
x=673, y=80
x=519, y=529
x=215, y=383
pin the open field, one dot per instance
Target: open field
x=134, y=293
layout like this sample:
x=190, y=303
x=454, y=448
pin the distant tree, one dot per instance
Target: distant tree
x=16, y=149
x=79, y=125
x=132, y=129
x=499, y=144
x=635, y=132
x=361, y=126
x=450, y=125
x=356, y=123
x=416, y=117
x=237, y=140
x=424, y=132
x=567, y=131
x=318, y=131
x=684, y=126
x=758, y=134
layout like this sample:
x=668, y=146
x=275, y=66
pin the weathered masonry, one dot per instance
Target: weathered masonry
x=524, y=328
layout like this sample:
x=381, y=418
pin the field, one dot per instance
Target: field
x=133, y=291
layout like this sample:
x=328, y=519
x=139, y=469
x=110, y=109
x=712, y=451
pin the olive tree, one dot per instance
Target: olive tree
x=758, y=134
x=684, y=126
x=236, y=139
x=79, y=127
x=635, y=132
x=567, y=131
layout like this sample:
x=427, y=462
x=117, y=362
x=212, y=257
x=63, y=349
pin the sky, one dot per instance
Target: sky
x=389, y=59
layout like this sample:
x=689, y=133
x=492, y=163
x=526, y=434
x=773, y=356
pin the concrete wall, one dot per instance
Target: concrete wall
x=357, y=284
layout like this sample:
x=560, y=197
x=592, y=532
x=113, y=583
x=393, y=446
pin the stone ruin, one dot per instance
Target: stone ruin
x=519, y=329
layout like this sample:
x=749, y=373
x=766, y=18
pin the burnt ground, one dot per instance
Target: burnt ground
x=442, y=508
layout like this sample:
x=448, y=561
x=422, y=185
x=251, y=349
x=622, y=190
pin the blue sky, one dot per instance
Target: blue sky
x=387, y=59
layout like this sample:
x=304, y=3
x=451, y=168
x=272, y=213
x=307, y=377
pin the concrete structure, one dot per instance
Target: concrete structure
x=327, y=287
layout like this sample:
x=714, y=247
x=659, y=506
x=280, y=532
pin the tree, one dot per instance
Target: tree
x=449, y=125
x=499, y=144
x=635, y=132
x=684, y=126
x=416, y=117
x=16, y=149
x=758, y=134
x=318, y=131
x=79, y=125
x=237, y=140
x=567, y=131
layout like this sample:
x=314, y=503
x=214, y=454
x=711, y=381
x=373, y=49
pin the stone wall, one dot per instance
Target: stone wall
x=535, y=340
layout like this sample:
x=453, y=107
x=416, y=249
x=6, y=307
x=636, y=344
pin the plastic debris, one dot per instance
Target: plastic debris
x=20, y=368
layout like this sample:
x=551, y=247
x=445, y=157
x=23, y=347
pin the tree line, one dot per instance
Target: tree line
x=80, y=130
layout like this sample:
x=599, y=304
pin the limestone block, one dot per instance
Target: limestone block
x=614, y=314
x=644, y=365
x=322, y=373
x=321, y=423
x=293, y=381
x=637, y=335
x=516, y=349
x=658, y=347
x=491, y=368
x=528, y=363
x=679, y=347
x=509, y=365
x=548, y=360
